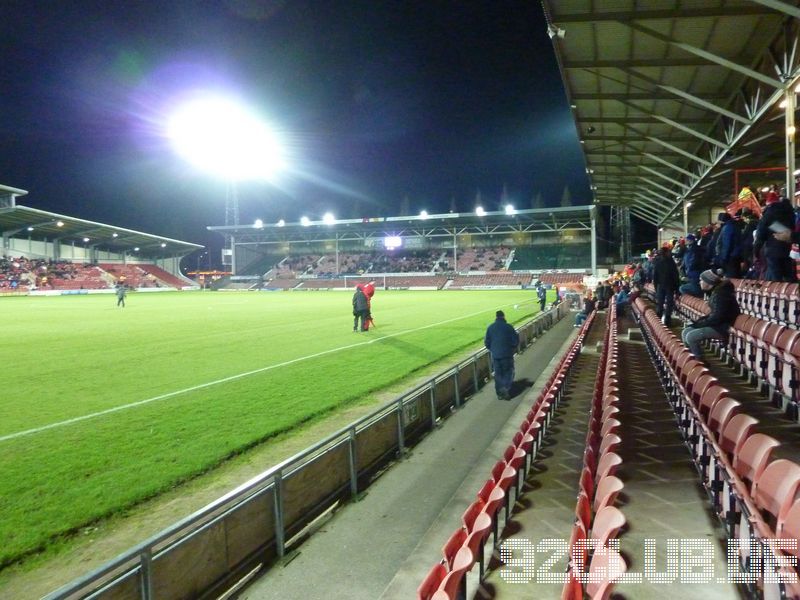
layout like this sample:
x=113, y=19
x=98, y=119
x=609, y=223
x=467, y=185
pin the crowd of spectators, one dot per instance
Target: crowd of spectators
x=20, y=272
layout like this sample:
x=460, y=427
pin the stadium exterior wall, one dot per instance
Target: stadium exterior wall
x=212, y=550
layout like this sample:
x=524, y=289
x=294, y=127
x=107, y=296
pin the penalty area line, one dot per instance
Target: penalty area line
x=108, y=411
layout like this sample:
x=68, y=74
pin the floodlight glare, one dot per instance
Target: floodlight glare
x=59, y=223
x=30, y=228
x=328, y=218
x=258, y=224
x=510, y=209
x=305, y=221
x=163, y=245
x=423, y=214
x=85, y=240
x=136, y=249
x=115, y=234
x=281, y=223
x=480, y=211
x=224, y=138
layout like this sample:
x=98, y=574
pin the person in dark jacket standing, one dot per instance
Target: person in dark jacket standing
x=729, y=246
x=541, y=294
x=502, y=341
x=778, y=216
x=667, y=280
x=360, y=309
x=724, y=310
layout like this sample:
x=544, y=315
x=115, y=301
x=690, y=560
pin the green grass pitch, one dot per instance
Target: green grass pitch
x=187, y=380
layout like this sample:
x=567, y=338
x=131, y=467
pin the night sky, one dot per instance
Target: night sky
x=376, y=101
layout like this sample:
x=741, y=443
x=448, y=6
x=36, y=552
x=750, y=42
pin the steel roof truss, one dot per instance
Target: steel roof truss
x=669, y=164
x=709, y=56
x=658, y=185
x=665, y=177
x=783, y=7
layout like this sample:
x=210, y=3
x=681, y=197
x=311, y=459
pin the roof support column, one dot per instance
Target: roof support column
x=593, y=214
x=791, y=106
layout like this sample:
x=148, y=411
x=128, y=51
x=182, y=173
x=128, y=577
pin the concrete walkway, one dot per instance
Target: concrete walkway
x=382, y=546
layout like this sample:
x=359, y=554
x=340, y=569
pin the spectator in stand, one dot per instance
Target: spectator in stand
x=711, y=248
x=666, y=280
x=724, y=310
x=360, y=309
x=749, y=224
x=502, y=341
x=622, y=300
x=692, y=267
x=729, y=245
x=778, y=217
x=589, y=304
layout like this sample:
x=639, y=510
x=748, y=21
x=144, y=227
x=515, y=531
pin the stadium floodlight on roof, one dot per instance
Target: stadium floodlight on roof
x=328, y=218
x=510, y=209
x=305, y=221
x=423, y=214
x=480, y=211
x=281, y=223
x=226, y=139
x=258, y=224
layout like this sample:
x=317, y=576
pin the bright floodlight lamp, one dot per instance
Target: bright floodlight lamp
x=258, y=224
x=136, y=249
x=30, y=228
x=85, y=240
x=163, y=245
x=480, y=211
x=281, y=223
x=423, y=214
x=328, y=218
x=221, y=137
x=305, y=221
x=59, y=223
x=510, y=209
x=115, y=234
x=554, y=31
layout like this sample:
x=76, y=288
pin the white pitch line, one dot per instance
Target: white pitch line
x=19, y=434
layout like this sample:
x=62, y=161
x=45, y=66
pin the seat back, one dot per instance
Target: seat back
x=432, y=581
x=775, y=490
x=610, y=443
x=607, y=566
x=789, y=528
x=607, y=490
x=452, y=546
x=753, y=456
x=724, y=408
x=607, y=523
x=608, y=465
x=735, y=432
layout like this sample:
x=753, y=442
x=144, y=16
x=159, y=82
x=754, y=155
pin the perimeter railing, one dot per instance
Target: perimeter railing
x=222, y=544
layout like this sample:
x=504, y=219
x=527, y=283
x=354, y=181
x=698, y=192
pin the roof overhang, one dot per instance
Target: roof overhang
x=669, y=99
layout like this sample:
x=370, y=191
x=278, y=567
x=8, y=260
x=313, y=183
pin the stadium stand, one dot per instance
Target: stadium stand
x=751, y=490
x=550, y=257
x=162, y=276
x=489, y=280
x=483, y=259
x=560, y=278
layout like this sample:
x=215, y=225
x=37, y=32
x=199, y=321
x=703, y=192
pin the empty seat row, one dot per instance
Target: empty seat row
x=597, y=520
x=753, y=495
x=774, y=301
x=446, y=580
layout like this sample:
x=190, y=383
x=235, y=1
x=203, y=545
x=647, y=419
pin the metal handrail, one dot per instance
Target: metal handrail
x=139, y=557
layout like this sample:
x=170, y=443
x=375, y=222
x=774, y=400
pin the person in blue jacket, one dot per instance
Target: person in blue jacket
x=729, y=246
x=502, y=341
x=693, y=265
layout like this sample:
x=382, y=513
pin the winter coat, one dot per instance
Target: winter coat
x=665, y=274
x=778, y=212
x=501, y=339
x=693, y=262
x=724, y=308
x=729, y=246
x=360, y=302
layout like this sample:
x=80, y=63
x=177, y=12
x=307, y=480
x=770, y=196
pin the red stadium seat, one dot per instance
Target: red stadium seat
x=752, y=458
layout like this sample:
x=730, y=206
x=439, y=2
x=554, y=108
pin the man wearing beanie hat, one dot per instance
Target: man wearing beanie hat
x=502, y=341
x=724, y=310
